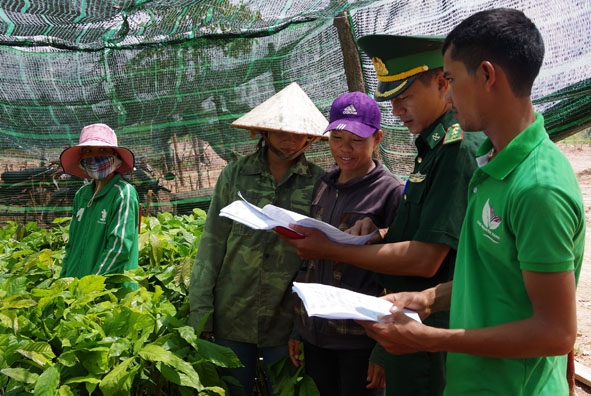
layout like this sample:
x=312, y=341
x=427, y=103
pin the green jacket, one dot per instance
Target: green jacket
x=243, y=275
x=103, y=233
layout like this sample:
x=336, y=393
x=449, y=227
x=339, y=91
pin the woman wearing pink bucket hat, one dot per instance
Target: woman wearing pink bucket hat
x=100, y=136
x=103, y=232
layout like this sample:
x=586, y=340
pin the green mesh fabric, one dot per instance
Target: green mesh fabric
x=170, y=77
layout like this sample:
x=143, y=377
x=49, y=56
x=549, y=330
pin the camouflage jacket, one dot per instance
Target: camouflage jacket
x=243, y=275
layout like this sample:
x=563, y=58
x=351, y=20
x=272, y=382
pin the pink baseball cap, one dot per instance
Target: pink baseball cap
x=95, y=135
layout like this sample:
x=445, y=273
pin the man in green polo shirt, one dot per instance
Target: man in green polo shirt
x=513, y=297
x=420, y=245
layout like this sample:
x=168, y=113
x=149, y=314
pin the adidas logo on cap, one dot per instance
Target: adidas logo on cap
x=350, y=110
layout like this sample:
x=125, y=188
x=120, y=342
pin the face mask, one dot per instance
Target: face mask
x=99, y=168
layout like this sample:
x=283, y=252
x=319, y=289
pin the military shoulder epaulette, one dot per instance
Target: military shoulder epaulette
x=454, y=133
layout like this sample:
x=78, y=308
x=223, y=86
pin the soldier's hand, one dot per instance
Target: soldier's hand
x=312, y=246
x=366, y=226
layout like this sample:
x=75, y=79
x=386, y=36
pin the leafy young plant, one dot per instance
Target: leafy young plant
x=287, y=383
x=93, y=336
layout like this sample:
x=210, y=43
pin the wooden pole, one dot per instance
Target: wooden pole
x=351, y=60
x=177, y=159
x=197, y=156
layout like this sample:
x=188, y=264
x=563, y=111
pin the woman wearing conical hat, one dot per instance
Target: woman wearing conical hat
x=241, y=276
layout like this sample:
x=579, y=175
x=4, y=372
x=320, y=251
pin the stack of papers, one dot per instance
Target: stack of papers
x=331, y=302
x=272, y=217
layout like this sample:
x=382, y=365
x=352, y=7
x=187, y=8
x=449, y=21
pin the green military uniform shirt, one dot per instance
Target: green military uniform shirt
x=434, y=200
x=432, y=210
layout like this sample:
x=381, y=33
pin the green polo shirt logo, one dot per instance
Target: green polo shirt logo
x=490, y=222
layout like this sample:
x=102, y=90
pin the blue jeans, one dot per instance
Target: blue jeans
x=249, y=356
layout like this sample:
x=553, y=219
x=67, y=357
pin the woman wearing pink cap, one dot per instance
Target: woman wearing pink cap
x=103, y=232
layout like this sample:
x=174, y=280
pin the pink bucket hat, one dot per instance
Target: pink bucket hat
x=95, y=135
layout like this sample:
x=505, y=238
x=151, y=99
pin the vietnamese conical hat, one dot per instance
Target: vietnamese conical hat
x=289, y=110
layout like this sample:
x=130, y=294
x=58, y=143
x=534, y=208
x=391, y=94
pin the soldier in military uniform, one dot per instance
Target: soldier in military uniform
x=244, y=276
x=419, y=247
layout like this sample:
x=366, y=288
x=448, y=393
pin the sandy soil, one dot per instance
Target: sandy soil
x=580, y=158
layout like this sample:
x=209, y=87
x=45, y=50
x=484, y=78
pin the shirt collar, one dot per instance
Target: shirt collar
x=515, y=152
x=434, y=134
x=260, y=164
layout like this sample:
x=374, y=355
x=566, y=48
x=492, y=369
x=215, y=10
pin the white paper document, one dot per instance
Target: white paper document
x=331, y=302
x=272, y=217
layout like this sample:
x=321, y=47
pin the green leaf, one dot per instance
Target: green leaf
x=7, y=319
x=14, y=286
x=119, y=347
x=68, y=359
x=65, y=390
x=186, y=376
x=183, y=273
x=20, y=375
x=156, y=256
x=22, y=253
x=120, y=380
x=18, y=303
x=188, y=334
x=42, y=348
x=96, y=360
x=47, y=383
x=89, y=382
x=45, y=259
x=89, y=379
x=9, y=343
x=220, y=355
x=213, y=390
x=90, y=284
x=40, y=352
x=307, y=387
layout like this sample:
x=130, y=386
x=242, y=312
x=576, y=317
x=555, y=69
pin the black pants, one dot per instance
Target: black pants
x=415, y=374
x=339, y=372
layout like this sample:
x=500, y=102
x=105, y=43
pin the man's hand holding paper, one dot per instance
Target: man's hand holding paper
x=337, y=303
x=314, y=245
x=400, y=335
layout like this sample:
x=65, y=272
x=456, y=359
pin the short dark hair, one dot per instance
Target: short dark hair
x=427, y=76
x=503, y=36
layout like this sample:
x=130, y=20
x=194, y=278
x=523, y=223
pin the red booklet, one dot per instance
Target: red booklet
x=272, y=217
x=288, y=232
